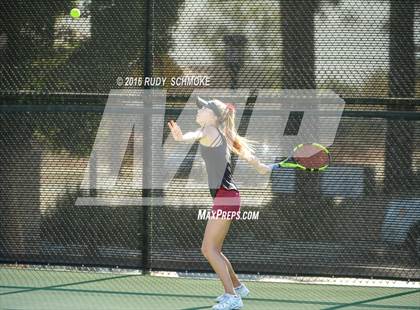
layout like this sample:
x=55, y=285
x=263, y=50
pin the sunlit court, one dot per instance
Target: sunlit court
x=209, y=154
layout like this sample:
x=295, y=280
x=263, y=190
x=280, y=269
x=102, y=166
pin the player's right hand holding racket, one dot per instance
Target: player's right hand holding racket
x=309, y=157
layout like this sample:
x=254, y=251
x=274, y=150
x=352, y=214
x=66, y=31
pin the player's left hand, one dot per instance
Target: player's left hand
x=175, y=130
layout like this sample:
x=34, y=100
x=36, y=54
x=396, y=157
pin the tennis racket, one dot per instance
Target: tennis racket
x=308, y=156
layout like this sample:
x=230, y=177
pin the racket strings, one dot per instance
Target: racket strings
x=312, y=156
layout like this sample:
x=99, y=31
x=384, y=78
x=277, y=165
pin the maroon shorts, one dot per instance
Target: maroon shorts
x=227, y=200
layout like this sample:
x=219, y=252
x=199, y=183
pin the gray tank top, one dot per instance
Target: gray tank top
x=218, y=166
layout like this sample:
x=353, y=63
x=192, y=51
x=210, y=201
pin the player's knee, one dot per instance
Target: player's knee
x=205, y=250
x=208, y=249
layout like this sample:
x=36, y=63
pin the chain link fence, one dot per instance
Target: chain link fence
x=362, y=217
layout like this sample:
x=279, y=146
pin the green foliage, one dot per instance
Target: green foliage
x=29, y=28
x=115, y=47
x=340, y=87
x=377, y=85
x=117, y=44
x=259, y=22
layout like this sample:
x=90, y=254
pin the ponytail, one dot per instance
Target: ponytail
x=240, y=146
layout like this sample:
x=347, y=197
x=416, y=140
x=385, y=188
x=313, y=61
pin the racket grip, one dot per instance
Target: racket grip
x=275, y=167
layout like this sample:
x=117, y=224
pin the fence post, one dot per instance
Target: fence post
x=297, y=26
x=298, y=72
x=147, y=143
x=402, y=79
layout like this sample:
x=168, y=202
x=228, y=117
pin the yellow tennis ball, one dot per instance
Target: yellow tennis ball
x=75, y=13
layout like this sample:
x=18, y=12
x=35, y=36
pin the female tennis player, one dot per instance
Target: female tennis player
x=218, y=137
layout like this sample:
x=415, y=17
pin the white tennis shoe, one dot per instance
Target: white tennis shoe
x=241, y=290
x=230, y=302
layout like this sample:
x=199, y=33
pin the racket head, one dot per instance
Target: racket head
x=311, y=156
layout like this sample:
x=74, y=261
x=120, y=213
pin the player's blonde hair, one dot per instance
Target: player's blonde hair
x=237, y=144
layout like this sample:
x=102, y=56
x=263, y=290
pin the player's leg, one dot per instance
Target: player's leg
x=214, y=236
x=235, y=206
x=233, y=276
